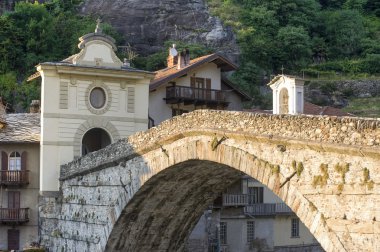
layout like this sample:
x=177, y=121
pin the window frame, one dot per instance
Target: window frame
x=223, y=232
x=250, y=231
x=14, y=162
x=295, y=228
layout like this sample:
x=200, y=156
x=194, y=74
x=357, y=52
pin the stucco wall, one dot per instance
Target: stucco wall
x=28, y=195
x=66, y=114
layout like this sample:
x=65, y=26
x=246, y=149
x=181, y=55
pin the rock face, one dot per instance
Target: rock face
x=147, y=24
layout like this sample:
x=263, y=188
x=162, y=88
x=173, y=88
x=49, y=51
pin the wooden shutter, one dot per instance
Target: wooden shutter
x=4, y=161
x=13, y=239
x=208, y=89
x=23, y=161
x=13, y=199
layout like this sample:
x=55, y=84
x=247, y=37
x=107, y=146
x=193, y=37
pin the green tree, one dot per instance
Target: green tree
x=295, y=46
x=344, y=32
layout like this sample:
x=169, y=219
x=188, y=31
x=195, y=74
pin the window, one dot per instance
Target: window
x=255, y=195
x=250, y=231
x=97, y=98
x=295, y=228
x=14, y=161
x=223, y=233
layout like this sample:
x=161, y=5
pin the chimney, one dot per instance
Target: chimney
x=35, y=107
x=172, y=59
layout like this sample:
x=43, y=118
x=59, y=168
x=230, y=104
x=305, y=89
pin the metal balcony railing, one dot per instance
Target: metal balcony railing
x=176, y=94
x=267, y=209
x=14, y=215
x=8, y=177
x=235, y=199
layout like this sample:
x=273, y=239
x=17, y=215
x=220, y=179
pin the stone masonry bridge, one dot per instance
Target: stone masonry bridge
x=146, y=193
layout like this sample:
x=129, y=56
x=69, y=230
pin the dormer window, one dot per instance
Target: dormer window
x=97, y=98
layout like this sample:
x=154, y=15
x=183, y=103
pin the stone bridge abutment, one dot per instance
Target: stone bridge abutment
x=146, y=193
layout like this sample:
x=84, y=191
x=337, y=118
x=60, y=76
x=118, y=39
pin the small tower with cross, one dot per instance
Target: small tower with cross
x=288, y=94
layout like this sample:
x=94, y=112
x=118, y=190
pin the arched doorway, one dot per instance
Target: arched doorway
x=95, y=139
x=284, y=101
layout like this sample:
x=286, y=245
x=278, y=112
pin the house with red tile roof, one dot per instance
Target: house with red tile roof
x=188, y=84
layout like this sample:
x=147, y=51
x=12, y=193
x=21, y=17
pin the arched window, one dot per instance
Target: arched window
x=95, y=139
x=14, y=161
x=284, y=101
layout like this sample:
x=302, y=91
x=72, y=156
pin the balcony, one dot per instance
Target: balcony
x=8, y=177
x=251, y=208
x=265, y=209
x=14, y=215
x=235, y=199
x=196, y=96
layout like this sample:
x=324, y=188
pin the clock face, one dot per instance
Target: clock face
x=97, y=98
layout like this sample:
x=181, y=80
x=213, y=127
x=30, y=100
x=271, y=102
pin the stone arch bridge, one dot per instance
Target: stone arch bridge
x=146, y=193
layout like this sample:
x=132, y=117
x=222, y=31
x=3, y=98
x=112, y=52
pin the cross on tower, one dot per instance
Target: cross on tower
x=282, y=69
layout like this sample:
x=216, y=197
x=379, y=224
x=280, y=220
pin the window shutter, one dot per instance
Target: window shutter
x=23, y=161
x=4, y=161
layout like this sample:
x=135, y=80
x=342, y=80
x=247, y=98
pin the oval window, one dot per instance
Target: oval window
x=97, y=98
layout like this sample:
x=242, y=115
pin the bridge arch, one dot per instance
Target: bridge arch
x=103, y=191
x=199, y=163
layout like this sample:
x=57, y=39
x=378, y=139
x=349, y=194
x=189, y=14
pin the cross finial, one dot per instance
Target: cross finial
x=98, y=29
x=282, y=69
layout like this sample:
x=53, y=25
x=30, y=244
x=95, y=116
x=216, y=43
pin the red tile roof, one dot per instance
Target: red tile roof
x=168, y=74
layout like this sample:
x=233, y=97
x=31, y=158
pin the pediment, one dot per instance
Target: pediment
x=97, y=53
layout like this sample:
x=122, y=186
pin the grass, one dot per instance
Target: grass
x=364, y=107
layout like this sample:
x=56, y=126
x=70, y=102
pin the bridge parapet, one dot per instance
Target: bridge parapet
x=347, y=133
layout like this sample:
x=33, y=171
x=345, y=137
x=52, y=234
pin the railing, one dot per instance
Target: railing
x=14, y=215
x=199, y=94
x=235, y=199
x=8, y=177
x=267, y=209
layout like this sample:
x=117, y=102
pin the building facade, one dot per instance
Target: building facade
x=19, y=180
x=189, y=84
x=88, y=101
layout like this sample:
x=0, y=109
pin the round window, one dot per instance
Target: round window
x=97, y=97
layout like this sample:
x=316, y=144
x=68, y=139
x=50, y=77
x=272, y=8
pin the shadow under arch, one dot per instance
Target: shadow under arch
x=129, y=234
x=162, y=214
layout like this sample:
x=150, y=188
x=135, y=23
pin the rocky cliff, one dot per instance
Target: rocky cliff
x=147, y=24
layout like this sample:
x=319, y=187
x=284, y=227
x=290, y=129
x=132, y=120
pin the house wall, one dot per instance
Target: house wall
x=66, y=115
x=282, y=234
x=28, y=195
x=160, y=111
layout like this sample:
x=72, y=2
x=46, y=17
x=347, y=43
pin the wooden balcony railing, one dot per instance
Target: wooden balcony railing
x=14, y=215
x=188, y=95
x=8, y=177
x=268, y=209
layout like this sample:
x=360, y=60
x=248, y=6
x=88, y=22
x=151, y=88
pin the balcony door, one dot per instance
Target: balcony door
x=255, y=195
x=14, y=204
x=13, y=239
x=202, y=88
x=14, y=167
